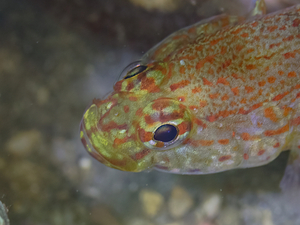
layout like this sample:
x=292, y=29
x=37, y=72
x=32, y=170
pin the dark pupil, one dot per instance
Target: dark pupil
x=135, y=71
x=165, y=133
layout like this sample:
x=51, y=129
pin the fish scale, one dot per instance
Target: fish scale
x=224, y=92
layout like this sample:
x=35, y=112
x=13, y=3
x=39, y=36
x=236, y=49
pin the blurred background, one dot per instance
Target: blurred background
x=55, y=57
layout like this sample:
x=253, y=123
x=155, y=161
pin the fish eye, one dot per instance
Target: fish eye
x=166, y=133
x=135, y=71
x=132, y=70
x=164, y=124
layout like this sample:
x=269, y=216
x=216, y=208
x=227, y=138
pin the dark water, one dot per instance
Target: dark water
x=55, y=57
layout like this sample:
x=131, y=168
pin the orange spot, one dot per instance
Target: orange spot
x=292, y=74
x=113, y=125
x=246, y=136
x=249, y=89
x=235, y=90
x=214, y=42
x=296, y=22
x=243, y=101
x=203, y=103
x=280, y=72
x=245, y=35
x=261, y=152
x=183, y=127
x=276, y=145
x=200, y=123
x=206, y=82
x=212, y=118
x=206, y=142
x=280, y=96
x=210, y=71
x=283, y=27
x=139, y=112
x=210, y=58
x=287, y=110
x=214, y=96
x=256, y=38
x=193, y=107
x=262, y=83
x=272, y=28
x=224, y=158
x=196, y=90
x=159, y=144
x=278, y=131
x=226, y=63
x=250, y=67
x=274, y=45
x=160, y=105
x=296, y=121
x=182, y=70
x=225, y=97
x=246, y=156
x=237, y=31
x=149, y=85
x=223, y=50
x=199, y=48
x=181, y=98
x=269, y=113
x=255, y=106
x=224, y=141
x=254, y=24
x=180, y=84
x=118, y=86
x=130, y=86
x=200, y=64
x=145, y=136
x=119, y=141
x=126, y=108
x=222, y=80
x=271, y=79
x=242, y=111
x=142, y=154
x=133, y=99
x=149, y=120
x=250, y=50
x=289, y=55
x=239, y=47
x=289, y=38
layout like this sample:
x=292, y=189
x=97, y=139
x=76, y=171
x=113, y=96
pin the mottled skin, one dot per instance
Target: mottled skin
x=231, y=87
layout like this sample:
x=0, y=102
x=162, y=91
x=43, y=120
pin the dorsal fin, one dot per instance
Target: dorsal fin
x=259, y=9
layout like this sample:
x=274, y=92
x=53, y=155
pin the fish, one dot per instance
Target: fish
x=221, y=94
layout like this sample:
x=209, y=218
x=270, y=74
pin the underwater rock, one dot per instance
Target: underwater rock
x=162, y=5
x=180, y=202
x=152, y=202
x=24, y=143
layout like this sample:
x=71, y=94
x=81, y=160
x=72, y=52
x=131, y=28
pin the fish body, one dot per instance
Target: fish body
x=218, y=95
